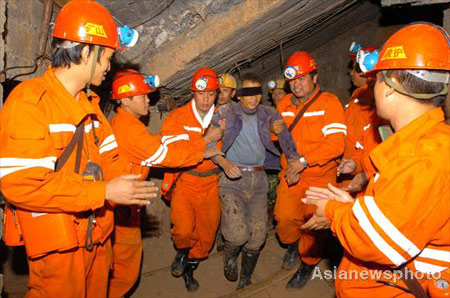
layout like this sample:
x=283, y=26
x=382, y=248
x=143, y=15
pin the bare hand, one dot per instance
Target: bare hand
x=223, y=124
x=292, y=179
x=231, y=170
x=294, y=167
x=346, y=166
x=330, y=193
x=213, y=134
x=130, y=190
x=357, y=184
x=277, y=126
x=211, y=152
x=318, y=221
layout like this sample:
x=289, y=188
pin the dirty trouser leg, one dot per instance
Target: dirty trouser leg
x=257, y=216
x=127, y=251
x=232, y=198
x=244, y=209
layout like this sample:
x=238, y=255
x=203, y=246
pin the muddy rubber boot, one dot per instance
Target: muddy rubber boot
x=190, y=282
x=220, y=242
x=249, y=259
x=179, y=263
x=301, y=277
x=290, y=257
x=230, y=255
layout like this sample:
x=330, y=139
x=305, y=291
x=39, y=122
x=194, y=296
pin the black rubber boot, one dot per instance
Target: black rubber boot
x=190, y=282
x=301, y=277
x=220, y=242
x=290, y=257
x=179, y=263
x=230, y=255
x=249, y=259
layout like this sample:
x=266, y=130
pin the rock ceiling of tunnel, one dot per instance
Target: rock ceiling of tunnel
x=178, y=36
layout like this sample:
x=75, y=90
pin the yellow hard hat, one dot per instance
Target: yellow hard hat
x=278, y=84
x=227, y=80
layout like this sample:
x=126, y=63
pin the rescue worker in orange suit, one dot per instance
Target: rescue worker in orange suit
x=403, y=217
x=65, y=212
x=143, y=151
x=195, y=205
x=361, y=119
x=319, y=136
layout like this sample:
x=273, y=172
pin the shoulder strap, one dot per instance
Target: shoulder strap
x=413, y=285
x=303, y=110
x=77, y=140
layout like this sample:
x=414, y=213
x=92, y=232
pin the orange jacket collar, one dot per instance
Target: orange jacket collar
x=124, y=113
x=400, y=143
x=81, y=108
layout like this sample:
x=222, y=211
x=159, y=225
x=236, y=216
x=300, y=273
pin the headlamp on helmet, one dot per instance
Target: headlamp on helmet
x=201, y=83
x=290, y=72
x=355, y=47
x=367, y=59
x=153, y=81
x=127, y=36
x=272, y=84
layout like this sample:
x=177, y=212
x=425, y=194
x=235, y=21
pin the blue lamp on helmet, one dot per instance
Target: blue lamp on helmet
x=128, y=36
x=367, y=59
x=355, y=47
x=152, y=80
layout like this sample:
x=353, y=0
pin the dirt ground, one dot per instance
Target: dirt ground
x=269, y=280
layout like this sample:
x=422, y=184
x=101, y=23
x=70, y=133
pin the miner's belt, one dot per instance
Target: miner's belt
x=205, y=174
x=251, y=169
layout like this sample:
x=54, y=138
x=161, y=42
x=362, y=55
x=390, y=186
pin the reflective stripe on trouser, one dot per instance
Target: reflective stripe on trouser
x=195, y=214
x=291, y=213
x=78, y=273
x=244, y=209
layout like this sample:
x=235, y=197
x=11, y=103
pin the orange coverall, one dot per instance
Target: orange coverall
x=361, y=118
x=195, y=205
x=319, y=137
x=403, y=215
x=142, y=150
x=37, y=123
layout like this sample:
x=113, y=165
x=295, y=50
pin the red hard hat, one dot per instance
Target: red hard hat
x=298, y=65
x=86, y=21
x=423, y=46
x=129, y=83
x=205, y=79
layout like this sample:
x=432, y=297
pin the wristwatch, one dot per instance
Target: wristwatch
x=303, y=161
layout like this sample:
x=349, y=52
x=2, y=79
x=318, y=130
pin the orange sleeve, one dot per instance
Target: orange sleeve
x=113, y=164
x=173, y=127
x=28, y=157
x=393, y=224
x=334, y=130
x=152, y=150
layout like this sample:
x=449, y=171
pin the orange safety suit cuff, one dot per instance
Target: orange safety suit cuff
x=96, y=195
x=332, y=206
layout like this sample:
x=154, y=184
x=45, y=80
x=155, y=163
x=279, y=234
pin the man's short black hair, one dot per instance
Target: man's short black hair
x=62, y=57
x=416, y=85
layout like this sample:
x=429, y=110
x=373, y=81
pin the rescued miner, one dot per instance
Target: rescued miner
x=243, y=187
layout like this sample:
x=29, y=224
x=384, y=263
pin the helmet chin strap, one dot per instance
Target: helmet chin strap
x=94, y=62
x=402, y=90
